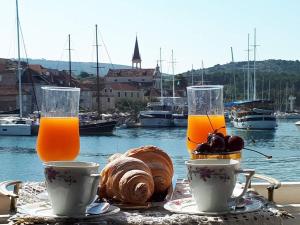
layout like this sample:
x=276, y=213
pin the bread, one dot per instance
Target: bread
x=127, y=180
x=159, y=162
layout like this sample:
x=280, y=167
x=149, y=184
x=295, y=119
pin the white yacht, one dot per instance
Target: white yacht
x=15, y=126
x=256, y=114
x=157, y=115
x=163, y=113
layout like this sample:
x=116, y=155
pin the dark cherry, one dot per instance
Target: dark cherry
x=203, y=147
x=235, y=143
x=210, y=135
x=217, y=143
x=226, y=138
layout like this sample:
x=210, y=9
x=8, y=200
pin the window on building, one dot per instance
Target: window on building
x=104, y=89
x=119, y=94
x=129, y=80
x=125, y=94
x=143, y=79
x=108, y=99
x=110, y=90
x=116, y=80
x=131, y=94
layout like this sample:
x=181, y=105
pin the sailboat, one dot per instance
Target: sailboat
x=253, y=113
x=18, y=126
x=96, y=127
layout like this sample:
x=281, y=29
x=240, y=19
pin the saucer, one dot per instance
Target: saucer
x=43, y=209
x=188, y=206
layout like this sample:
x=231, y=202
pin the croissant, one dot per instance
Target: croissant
x=126, y=179
x=159, y=162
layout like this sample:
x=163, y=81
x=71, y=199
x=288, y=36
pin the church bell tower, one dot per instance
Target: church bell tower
x=136, y=58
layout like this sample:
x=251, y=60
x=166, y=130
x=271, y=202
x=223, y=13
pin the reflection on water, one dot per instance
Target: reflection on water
x=19, y=161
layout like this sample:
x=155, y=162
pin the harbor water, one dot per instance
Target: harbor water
x=18, y=158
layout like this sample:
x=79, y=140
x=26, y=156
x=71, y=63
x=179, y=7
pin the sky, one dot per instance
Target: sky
x=195, y=30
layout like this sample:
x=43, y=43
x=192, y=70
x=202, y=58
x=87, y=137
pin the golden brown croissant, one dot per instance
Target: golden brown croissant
x=126, y=179
x=159, y=162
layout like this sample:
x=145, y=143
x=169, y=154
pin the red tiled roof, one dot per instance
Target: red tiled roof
x=37, y=68
x=130, y=72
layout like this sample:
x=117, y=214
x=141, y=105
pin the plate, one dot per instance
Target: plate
x=43, y=209
x=188, y=206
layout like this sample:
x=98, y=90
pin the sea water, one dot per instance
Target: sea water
x=19, y=161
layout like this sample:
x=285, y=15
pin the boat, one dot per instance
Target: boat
x=180, y=120
x=19, y=126
x=156, y=116
x=15, y=126
x=287, y=115
x=297, y=123
x=168, y=112
x=255, y=114
x=97, y=127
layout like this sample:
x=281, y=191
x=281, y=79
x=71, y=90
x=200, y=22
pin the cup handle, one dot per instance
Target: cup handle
x=96, y=180
x=249, y=174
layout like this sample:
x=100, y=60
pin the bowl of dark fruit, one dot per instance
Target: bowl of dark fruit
x=219, y=146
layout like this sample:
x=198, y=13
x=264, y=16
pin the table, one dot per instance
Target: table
x=156, y=214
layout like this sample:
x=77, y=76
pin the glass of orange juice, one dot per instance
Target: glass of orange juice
x=206, y=115
x=58, y=136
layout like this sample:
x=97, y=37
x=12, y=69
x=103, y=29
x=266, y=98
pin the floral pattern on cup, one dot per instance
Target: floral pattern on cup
x=52, y=174
x=205, y=173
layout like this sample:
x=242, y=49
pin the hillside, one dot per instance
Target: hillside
x=276, y=79
x=77, y=67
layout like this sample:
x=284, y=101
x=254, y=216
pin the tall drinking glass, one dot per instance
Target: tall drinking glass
x=205, y=115
x=58, y=136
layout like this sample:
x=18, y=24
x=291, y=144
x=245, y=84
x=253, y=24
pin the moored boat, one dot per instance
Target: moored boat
x=15, y=126
x=155, y=118
x=97, y=127
x=180, y=120
x=256, y=114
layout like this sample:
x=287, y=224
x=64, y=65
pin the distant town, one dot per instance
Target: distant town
x=130, y=89
x=127, y=88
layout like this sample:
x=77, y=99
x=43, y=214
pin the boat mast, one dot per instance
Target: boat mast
x=192, y=74
x=161, y=80
x=19, y=61
x=97, y=68
x=234, y=85
x=173, y=74
x=248, y=72
x=254, y=69
x=70, y=64
x=202, y=73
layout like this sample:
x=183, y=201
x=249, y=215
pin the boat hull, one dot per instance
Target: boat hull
x=256, y=125
x=15, y=129
x=157, y=118
x=97, y=127
x=155, y=122
x=180, y=120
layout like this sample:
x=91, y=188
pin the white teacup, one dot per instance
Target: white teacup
x=71, y=186
x=212, y=182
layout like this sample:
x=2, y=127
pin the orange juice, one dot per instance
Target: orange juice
x=58, y=138
x=199, y=126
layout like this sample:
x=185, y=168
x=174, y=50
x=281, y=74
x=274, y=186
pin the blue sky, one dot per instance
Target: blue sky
x=196, y=30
